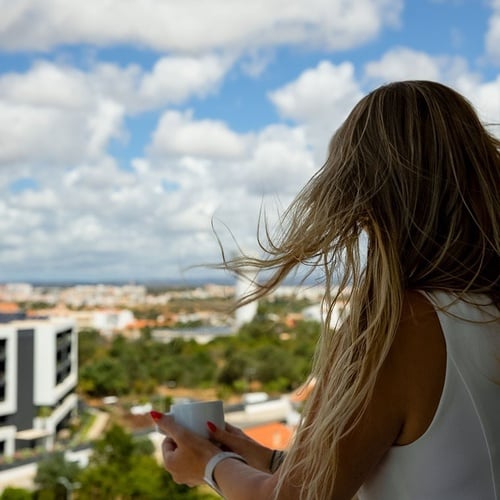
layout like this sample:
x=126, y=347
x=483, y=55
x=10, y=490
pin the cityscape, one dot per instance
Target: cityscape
x=50, y=337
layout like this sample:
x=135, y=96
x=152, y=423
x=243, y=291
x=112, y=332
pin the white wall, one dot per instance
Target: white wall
x=46, y=392
x=243, y=286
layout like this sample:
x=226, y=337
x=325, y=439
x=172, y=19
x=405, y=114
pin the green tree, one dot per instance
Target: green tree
x=236, y=367
x=258, y=353
x=10, y=493
x=105, y=376
x=53, y=467
x=260, y=330
x=90, y=345
x=122, y=467
x=274, y=362
x=199, y=368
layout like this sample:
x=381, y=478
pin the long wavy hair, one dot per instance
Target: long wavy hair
x=408, y=198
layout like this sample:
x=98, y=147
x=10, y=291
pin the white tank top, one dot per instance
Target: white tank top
x=458, y=457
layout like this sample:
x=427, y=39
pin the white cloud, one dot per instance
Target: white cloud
x=273, y=164
x=402, y=63
x=47, y=85
x=174, y=79
x=178, y=134
x=485, y=96
x=90, y=214
x=43, y=135
x=51, y=115
x=194, y=25
x=206, y=155
x=324, y=90
x=102, y=220
x=104, y=125
x=493, y=34
x=280, y=163
x=56, y=115
x=320, y=99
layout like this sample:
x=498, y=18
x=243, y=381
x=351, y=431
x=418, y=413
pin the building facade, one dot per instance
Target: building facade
x=38, y=377
x=245, y=284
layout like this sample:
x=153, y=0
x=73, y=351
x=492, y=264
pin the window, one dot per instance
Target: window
x=63, y=356
x=3, y=367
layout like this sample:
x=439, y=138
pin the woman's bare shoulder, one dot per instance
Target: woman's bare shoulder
x=421, y=351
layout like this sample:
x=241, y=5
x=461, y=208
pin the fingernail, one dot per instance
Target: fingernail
x=211, y=426
x=155, y=415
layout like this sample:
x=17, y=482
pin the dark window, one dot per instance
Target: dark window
x=3, y=367
x=63, y=356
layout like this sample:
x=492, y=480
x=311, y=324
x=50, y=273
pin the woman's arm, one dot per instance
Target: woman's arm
x=234, y=439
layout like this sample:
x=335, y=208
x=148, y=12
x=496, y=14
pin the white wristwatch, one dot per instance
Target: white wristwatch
x=212, y=463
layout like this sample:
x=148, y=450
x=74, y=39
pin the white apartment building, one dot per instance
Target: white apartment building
x=38, y=376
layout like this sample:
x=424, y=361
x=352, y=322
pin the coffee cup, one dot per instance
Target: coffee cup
x=195, y=415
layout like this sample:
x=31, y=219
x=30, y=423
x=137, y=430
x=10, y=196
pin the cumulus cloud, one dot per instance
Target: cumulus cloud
x=174, y=79
x=176, y=26
x=318, y=91
x=50, y=136
x=98, y=222
x=485, y=96
x=320, y=98
x=493, y=34
x=86, y=110
x=49, y=115
x=403, y=63
x=47, y=85
x=281, y=162
x=178, y=134
x=230, y=180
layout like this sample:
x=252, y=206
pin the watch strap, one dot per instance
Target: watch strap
x=213, y=462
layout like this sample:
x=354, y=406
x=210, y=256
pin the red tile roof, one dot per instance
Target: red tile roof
x=9, y=307
x=274, y=435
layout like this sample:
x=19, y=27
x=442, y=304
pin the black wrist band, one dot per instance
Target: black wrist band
x=277, y=458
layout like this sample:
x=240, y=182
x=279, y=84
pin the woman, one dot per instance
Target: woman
x=407, y=396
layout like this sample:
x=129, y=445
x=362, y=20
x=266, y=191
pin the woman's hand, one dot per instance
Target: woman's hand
x=185, y=454
x=234, y=439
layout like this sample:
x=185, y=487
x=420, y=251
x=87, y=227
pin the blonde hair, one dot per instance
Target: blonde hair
x=414, y=170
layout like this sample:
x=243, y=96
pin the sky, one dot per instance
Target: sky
x=135, y=134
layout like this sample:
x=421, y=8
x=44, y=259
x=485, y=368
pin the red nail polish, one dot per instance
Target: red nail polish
x=211, y=426
x=155, y=415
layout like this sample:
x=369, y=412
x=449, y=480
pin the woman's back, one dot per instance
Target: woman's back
x=458, y=457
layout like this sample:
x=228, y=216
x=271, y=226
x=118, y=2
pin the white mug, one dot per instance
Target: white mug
x=194, y=416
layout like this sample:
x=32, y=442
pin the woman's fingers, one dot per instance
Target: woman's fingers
x=233, y=429
x=166, y=424
x=229, y=438
x=185, y=454
x=236, y=440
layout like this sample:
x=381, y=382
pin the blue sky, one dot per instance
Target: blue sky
x=128, y=126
